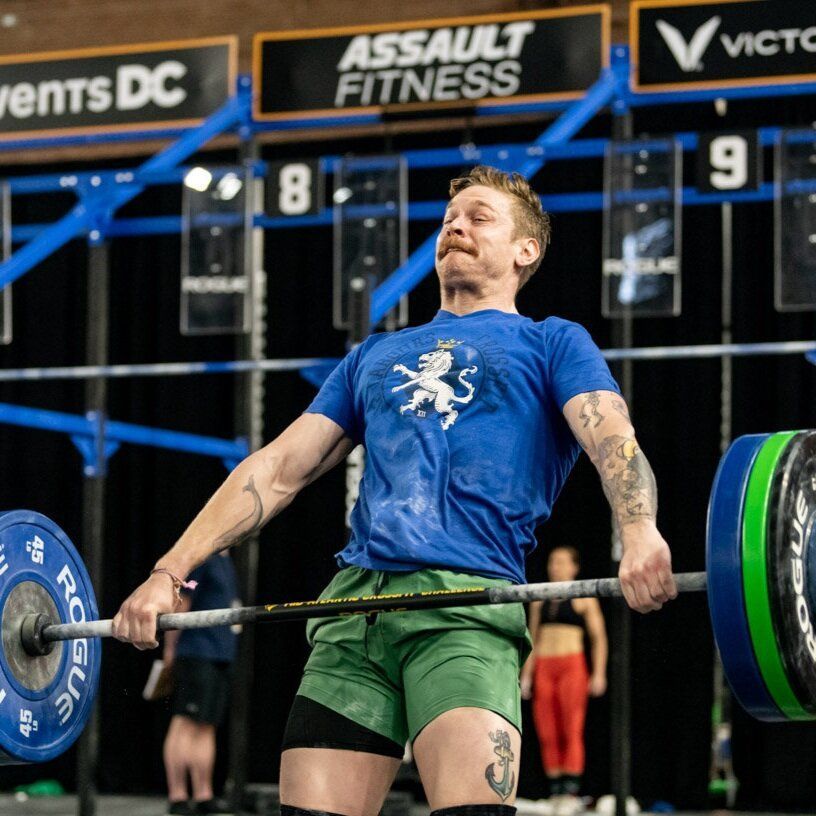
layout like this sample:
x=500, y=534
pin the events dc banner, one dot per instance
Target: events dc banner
x=136, y=87
x=530, y=56
x=678, y=46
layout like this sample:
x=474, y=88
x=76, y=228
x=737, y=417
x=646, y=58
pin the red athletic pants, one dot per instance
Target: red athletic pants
x=560, y=694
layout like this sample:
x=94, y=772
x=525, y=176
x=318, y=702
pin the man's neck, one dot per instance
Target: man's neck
x=462, y=303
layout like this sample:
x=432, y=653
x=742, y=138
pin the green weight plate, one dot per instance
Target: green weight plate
x=755, y=576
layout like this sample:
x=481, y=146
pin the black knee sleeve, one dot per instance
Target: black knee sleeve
x=288, y=810
x=313, y=725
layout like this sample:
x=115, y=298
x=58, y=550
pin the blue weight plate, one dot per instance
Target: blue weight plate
x=44, y=701
x=724, y=570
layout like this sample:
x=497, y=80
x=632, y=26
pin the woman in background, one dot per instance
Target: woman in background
x=555, y=676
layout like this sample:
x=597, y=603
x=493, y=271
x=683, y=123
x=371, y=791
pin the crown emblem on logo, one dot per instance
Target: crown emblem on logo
x=448, y=344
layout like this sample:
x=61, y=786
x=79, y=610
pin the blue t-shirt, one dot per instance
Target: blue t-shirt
x=466, y=444
x=217, y=589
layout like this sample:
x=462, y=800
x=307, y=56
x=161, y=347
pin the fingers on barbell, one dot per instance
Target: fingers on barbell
x=667, y=582
x=136, y=625
x=645, y=602
x=642, y=590
x=656, y=586
x=145, y=620
x=651, y=604
x=637, y=596
x=628, y=588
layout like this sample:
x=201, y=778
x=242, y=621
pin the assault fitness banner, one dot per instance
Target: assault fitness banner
x=694, y=45
x=507, y=58
x=134, y=87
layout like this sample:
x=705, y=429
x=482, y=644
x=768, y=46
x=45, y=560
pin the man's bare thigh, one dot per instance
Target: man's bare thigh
x=352, y=783
x=468, y=756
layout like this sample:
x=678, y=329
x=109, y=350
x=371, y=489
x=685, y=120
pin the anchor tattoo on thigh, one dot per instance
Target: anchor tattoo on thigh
x=505, y=785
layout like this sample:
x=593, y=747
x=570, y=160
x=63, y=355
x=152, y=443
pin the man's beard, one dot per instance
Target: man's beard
x=463, y=278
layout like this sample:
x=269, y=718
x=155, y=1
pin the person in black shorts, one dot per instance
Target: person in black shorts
x=202, y=661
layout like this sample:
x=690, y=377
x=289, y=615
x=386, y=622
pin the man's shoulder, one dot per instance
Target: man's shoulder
x=554, y=323
x=549, y=328
x=555, y=330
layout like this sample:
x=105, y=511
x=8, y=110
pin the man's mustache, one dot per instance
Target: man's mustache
x=449, y=246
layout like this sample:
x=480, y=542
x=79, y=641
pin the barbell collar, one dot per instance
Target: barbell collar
x=370, y=605
x=31, y=635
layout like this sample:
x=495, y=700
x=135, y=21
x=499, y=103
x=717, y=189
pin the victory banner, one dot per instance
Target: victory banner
x=461, y=62
x=133, y=87
x=701, y=45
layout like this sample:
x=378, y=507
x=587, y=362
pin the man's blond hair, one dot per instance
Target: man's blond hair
x=530, y=219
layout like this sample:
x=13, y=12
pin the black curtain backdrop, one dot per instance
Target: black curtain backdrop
x=152, y=494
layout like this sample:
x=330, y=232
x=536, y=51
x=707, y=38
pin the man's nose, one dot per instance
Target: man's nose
x=455, y=226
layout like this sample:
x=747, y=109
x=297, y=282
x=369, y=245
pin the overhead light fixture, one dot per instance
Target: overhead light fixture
x=198, y=179
x=229, y=186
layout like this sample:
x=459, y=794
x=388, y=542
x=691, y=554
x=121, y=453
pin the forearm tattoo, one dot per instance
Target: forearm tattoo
x=501, y=779
x=627, y=479
x=590, y=414
x=247, y=526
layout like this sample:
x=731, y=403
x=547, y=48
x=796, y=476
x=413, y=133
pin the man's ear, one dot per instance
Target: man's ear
x=528, y=252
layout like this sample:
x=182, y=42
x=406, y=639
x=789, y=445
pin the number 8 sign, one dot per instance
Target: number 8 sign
x=294, y=188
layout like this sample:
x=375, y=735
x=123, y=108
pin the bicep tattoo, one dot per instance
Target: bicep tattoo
x=627, y=479
x=620, y=406
x=590, y=415
x=247, y=526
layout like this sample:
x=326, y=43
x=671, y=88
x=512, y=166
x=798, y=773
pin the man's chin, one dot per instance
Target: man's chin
x=455, y=263
x=448, y=273
x=456, y=278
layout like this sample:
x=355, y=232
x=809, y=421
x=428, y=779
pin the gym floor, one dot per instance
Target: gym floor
x=133, y=806
x=118, y=806
x=154, y=806
x=67, y=806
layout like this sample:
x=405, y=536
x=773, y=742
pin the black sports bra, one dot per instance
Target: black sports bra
x=560, y=612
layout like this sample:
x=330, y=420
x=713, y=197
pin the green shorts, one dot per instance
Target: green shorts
x=395, y=673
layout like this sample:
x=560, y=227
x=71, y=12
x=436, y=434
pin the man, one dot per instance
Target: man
x=201, y=661
x=471, y=424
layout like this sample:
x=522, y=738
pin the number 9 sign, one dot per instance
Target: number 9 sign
x=729, y=162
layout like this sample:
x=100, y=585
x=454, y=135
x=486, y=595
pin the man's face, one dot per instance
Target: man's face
x=478, y=240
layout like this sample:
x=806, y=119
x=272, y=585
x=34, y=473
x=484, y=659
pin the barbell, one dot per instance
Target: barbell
x=760, y=579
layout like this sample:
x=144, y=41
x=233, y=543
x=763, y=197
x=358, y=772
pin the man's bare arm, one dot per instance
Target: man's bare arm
x=258, y=489
x=600, y=422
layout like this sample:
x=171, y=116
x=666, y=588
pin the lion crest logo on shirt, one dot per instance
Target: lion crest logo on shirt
x=429, y=386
